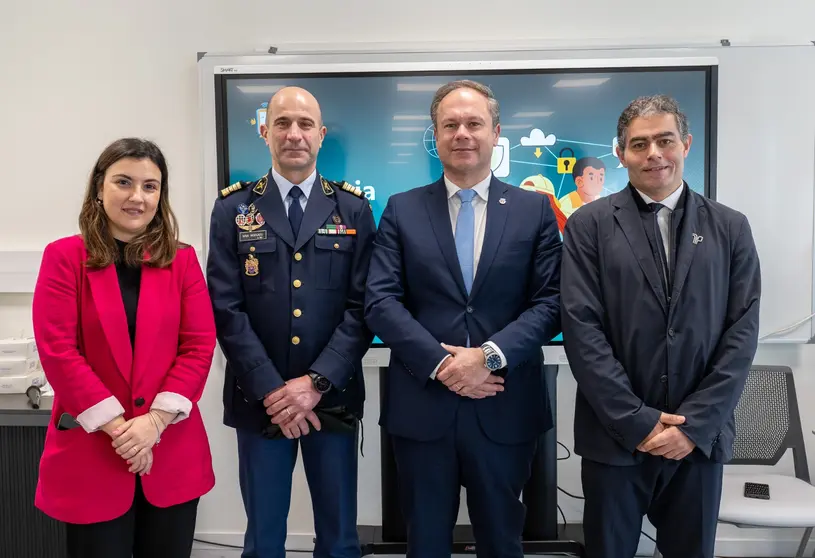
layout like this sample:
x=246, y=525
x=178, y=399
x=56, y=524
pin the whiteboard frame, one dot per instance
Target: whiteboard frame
x=339, y=62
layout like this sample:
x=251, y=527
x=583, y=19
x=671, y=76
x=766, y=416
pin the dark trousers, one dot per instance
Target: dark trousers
x=431, y=475
x=265, y=470
x=145, y=531
x=680, y=498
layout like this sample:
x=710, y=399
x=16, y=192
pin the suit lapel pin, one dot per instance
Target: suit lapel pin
x=697, y=238
x=336, y=219
x=502, y=201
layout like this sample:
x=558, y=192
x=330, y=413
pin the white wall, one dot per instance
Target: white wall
x=77, y=75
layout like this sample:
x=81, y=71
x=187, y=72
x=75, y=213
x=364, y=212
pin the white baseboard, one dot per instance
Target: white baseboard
x=784, y=544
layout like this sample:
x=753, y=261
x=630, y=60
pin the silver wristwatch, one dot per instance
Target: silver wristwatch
x=491, y=357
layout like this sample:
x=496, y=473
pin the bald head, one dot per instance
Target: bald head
x=294, y=98
x=294, y=132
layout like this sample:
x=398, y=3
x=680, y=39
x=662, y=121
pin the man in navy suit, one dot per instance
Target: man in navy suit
x=661, y=290
x=463, y=289
x=287, y=266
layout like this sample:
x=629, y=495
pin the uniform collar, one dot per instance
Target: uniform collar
x=284, y=185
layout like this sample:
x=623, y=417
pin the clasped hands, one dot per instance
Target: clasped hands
x=465, y=373
x=134, y=439
x=291, y=407
x=666, y=440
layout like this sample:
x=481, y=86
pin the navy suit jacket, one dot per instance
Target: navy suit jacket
x=310, y=288
x=632, y=353
x=416, y=300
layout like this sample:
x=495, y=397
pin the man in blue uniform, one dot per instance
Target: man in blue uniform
x=287, y=268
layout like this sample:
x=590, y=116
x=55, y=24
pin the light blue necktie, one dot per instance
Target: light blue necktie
x=465, y=234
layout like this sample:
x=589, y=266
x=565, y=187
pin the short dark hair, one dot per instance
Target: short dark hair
x=582, y=164
x=446, y=89
x=647, y=106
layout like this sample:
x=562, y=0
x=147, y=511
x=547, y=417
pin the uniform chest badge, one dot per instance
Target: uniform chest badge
x=249, y=220
x=251, y=266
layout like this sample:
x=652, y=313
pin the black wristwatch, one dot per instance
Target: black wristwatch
x=320, y=383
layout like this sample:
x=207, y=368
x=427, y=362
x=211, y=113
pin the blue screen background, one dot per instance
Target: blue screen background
x=380, y=136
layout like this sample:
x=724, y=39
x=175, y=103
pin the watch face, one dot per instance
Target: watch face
x=322, y=384
x=493, y=362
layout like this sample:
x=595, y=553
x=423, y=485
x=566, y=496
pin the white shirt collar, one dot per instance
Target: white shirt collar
x=482, y=189
x=284, y=185
x=669, y=202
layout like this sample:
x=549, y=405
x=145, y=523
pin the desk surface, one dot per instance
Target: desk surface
x=15, y=410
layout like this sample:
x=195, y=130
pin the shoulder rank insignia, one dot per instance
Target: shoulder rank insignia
x=357, y=191
x=260, y=187
x=231, y=188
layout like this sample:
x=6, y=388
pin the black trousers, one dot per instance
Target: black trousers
x=680, y=498
x=145, y=531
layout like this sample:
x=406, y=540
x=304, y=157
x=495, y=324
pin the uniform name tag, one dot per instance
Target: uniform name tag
x=253, y=236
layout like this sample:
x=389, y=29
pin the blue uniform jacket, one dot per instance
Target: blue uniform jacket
x=286, y=306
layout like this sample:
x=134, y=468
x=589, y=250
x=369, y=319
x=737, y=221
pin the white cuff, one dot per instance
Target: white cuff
x=94, y=418
x=173, y=403
x=500, y=353
x=435, y=371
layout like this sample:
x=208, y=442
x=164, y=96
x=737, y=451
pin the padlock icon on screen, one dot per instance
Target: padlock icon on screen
x=565, y=164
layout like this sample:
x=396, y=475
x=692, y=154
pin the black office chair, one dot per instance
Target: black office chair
x=767, y=425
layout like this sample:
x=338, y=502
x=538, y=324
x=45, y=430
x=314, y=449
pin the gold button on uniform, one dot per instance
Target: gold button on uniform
x=295, y=340
x=298, y=256
x=297, y=312
x=297, y=283
x=336, y=245
x=251, y=248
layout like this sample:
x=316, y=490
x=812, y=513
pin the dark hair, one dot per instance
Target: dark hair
x=160, y=237
x=581, y=165
x=446, y=89
x=647, y=106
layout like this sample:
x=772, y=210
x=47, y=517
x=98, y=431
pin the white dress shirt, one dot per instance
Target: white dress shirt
x=285, y=185
x=482, y=193
x=664, y=219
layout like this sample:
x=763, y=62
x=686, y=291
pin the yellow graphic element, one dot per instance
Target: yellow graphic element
x=565, y=164
x=538, y=152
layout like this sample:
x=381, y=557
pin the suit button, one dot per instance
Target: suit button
x=663, y=379
x=295, y=340
x=298, y=256
x=336, y=245
x=251, y=248
x=139, y=402
x=297, y=283
x=297, y=312
x=671, y=332
x=469, y=309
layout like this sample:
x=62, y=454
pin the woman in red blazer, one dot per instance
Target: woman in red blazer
x=125, y=331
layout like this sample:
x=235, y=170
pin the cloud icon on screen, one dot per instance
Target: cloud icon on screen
x=538, y=139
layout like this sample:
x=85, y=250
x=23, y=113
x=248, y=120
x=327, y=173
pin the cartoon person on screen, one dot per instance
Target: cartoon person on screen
x=542, y=185
x=589, y=175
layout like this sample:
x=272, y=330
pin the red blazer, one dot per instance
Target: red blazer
x=81, y=332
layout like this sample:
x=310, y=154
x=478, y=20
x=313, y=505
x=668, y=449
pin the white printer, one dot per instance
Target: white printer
x=19, y=365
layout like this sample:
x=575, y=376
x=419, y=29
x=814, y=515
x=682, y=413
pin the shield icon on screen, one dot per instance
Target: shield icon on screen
x=500, y=158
